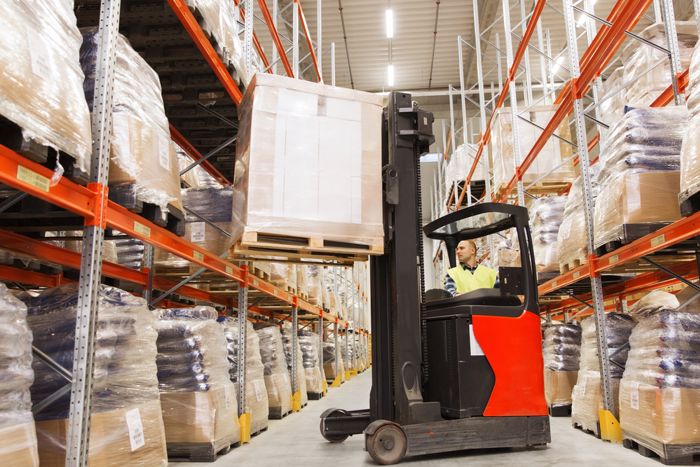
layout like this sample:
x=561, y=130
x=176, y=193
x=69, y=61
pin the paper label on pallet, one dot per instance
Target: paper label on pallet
x=163, y=151
x=39, y=59
x=32, y=178
x=259, y=389
x=474, y=347
x=634, y=395
x=197, y=232
x=137, y=439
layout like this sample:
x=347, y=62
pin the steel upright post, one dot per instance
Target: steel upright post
x=526, y=58
x=148, y=253
x=243, y=415
x=275, y=53
x=609, y=426
x=320, y=352
x=296, y=395
x=673, y=48
x=517, y=158
x=333, y=63
x=319, y=35
x=463, y=99
x=591, y=31
x=485, y=158
x=295, y=40
x=248, y=36
x=78, y=438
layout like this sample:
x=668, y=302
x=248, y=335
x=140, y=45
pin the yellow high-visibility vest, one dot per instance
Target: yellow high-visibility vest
x=466, y=281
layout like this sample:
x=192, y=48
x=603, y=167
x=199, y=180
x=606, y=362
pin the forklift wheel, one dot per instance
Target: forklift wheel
x=330, y=414
x=386, y=443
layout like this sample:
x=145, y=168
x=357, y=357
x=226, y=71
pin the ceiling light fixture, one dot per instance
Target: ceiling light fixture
x=390, y=75
x=389, y=23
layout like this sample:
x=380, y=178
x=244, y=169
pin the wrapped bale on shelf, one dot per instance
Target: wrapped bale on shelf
x=546, y=215
x=143, y=166
x=612, y=103
x=690, y=149
x=18, y=443
x=459, y=165
x=561, y=348
x=126, y=422
x=279, y=274
x=551, y=165
x=660, y=388
x=198, y=398
x=308, y=167
x=41, y=82
x=639, y=177
x=255, y=393
x=313, y=280
x=587, y=396
x=290, y=353
x=308, y=341
x=329, y=361
x=277, y=382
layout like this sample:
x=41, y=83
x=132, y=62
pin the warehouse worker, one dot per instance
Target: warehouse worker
x=469, y=275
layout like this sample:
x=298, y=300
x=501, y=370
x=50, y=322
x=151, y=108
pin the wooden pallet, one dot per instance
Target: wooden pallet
x=259, y=273
x=11, y=136
x=276, y=413
x=172, y=220
x=595, y=432
x=690, y=203
x=261, y=430
x=572, y=264
x=544, y=187
x=629, y=233
x=668, y=454
x=200, y=452
x=559, y=410
x=314, y=396
x=296, y=247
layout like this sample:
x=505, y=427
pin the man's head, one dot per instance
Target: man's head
x=466, y=252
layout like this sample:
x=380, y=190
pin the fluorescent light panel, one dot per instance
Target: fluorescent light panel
x=389, y=17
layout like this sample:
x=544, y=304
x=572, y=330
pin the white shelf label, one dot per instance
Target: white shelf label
x=141, y=229
x=634, y=395
x=32, y=178
x=137, y=438
x=197, y=232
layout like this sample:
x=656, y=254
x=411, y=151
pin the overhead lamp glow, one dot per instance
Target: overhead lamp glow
x=389, y=17
x=390, y=75
x=581, y=20
x=558, y=63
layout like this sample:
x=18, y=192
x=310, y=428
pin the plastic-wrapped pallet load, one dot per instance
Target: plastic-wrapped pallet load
x=308, y=163
x=612, y=102
x=126, y=424
x=288, y=353
x=650, y=67
x=279, y=387
x=143, y=166
x=546, y=215
x=255, y=392
x=329, y=361
x=459, y=165
x=639, y=177
x=562, y=348
x=551, y=165
x=690, y=150
x=196, y=177
x=197, y=395
x=660, y=388
x=18, y=444
x=279, y=273
x=587, y=396
x=308, y=341
x=41, y=79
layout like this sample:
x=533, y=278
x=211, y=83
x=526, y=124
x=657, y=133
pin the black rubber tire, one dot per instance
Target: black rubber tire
x=333, y=438
x=387, y=445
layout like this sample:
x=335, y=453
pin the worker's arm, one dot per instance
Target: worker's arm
x=450, y=285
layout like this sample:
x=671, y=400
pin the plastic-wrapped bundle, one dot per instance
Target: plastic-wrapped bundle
x=640, y=177
x=292, y=277
x=553, y=154
x=650, y=67
x=196, y=177
x=19, y=444
x=660, y=389
x=143, y=165
x=308, y=342
x=129, y=252
x=279, y=387
x=654, y=300
x=612, y=102
x=571, y=239
x=40, y=76
x=587, y=394
x=459, y=165
x=329, y=361
x=507, y=249
x=561, y=348
x=690, y=150
x=198, y=397
x=214, y=204
x=255, y=392
x=125, y=400
x=279, y=273
x=290, y=353
x=308, y=159
x=546, y=215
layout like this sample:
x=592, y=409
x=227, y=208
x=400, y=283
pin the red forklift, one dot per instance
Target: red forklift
x=449, y=373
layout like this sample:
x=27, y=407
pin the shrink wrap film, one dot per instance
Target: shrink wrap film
x=640, y=177
x=572, y=243
x=196, y=177
x=41, y=82
x=329, y=361
x=290, y=353
x=308, y=162
x=255, y=392
x=197, y=396
x=587, y=394
x=143, y=162
x=546, y=216
x=277, y=382
x=550, y=165
x=127, y=428
x=690, y=150
x=279, y=274
x=459, y=165
x=660, y=388
x=308, y=342
x=561, y=348
x=613, y=91
x=18, y=445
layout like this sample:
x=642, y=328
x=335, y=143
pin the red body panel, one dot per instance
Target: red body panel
x=513, y=347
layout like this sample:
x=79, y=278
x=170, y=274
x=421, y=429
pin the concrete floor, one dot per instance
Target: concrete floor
x=295, y=441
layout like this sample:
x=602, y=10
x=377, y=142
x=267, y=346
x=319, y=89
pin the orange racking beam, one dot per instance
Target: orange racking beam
x=275, y=37
x=24, y=276
x=256, y=42
x=191, y=151
x=192, y=27
x=307, y=34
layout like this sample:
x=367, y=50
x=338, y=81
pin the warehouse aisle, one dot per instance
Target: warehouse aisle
x=295, y=441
